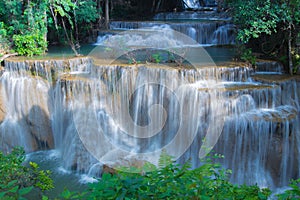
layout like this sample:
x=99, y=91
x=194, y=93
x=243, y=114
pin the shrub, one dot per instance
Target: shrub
x=4, y=43
x=17, y=180
x=171, y=181
x=30, y=44
x=292, y=193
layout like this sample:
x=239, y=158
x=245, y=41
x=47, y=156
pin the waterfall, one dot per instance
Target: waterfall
x=192, y=15
x=259, y=145
x=259, y=129
x=101, y=110
x=192, y=33
x=89, y=113
x=224, y=34
x=269, y=67
x=26, y=118
x=205, y=33
x=192, y=3
x=207, y=27
x=195, y=3
x=114, y=96
x=27, y=103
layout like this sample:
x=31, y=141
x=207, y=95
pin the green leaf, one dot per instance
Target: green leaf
x=11, y=183
x=45, y=197
x=2, y=194
x=67, y=194
x=25, y=190
x=14, y=189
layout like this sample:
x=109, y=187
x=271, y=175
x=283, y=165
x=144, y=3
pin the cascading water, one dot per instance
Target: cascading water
x=191, y=16
x=205, y=33
x=192, y=4
x=119, y=114
x=260, y=137
x=196, y=3
x=269, y=67
x=207, y=28
x=26, y=118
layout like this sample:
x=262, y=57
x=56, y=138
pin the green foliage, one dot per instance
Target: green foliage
x=30, y=44
x=11, y=191
x=167, y=181
x=296, y=61
x=66, y=194
x=24, y=25
x=164, y=160
x=86, y=12
x=4, y=43
x=72, y=20
x=131, y=57
x=274, y=24
x=254, y=18
x=3, y=32
x=17, y=180
x=171, y=181
x=41, y=178
x=293, y=193
x=156, y=57
x=63, y=8
x=247, y=55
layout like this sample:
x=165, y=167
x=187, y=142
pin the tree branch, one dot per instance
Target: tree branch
x=7, y=56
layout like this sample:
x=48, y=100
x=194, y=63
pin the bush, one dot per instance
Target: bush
x=17, y=180
x=4, y=43
x=30, y=44
x=170, y=181
x=167, y=181
x=293, y=193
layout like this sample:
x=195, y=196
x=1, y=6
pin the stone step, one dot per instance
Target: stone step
x=278, y=114
x=260, y=95
x=289, y=87
x=274, y=78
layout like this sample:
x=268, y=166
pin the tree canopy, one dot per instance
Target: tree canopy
x=272, y=24
x=24, y=25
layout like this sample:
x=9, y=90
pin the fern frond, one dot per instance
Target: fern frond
x=164, y=159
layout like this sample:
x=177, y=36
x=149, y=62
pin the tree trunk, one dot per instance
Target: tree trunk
x=153, y=6
x=70, y=39
x=2, y=58
x=77, y=45
x=202, y=3
x=45, y=21
x=107, y=14
x=54, y=16
x=158, y=6
x=290, y=61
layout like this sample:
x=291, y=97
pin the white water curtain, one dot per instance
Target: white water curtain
x=196, y=3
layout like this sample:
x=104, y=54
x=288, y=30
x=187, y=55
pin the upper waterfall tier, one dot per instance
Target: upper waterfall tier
x=266, y=66
x=193, y=15
x=196, y=3
x=205, y=32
